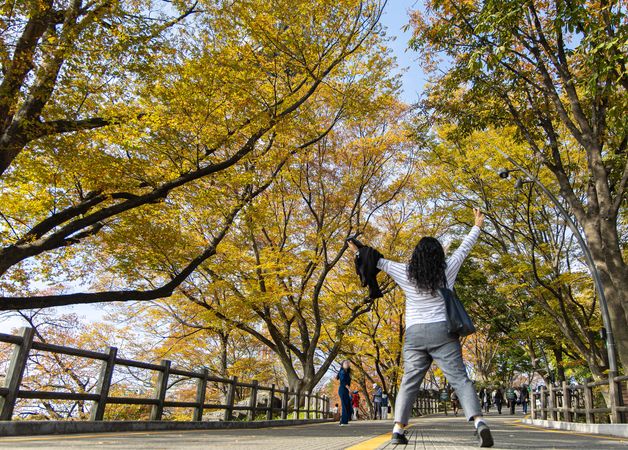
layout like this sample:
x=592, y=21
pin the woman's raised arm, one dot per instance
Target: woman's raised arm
x=454, y=262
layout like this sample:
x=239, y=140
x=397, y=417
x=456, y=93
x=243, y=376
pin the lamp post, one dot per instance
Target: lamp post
x=610, y=340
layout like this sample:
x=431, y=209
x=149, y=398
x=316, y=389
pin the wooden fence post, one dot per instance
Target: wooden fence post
x=327, y=407
x=231, y=393
x=201, y=388
x=614, y=392
x=322, y=407
x=317, y=407
x=271, y=398
x=297, y=404
x=15, y=372
x=253, y=401
x=533, y=405
x=543, y=403
x=567, y=416
x=553, y=403
x=104, y=383
x=307, y=404
x=588, y=402
x=160, y=390
x=284, y=403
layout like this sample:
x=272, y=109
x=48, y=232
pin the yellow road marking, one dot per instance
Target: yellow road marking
x=373, y=443
x=518, y=423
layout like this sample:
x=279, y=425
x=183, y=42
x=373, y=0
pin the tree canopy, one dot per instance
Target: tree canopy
x=198, y=167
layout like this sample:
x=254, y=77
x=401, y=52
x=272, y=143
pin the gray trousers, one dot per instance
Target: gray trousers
x=377, y=410
x=424, y=343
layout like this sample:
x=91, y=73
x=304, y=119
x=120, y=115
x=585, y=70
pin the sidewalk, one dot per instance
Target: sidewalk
x=430, y=432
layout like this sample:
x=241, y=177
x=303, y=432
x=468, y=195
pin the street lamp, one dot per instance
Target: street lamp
x=610, y=340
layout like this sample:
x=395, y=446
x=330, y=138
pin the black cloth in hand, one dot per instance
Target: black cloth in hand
x=366, y=268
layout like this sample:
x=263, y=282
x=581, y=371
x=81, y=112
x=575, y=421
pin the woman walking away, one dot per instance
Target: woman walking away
x=427, y=338
x=344, y=376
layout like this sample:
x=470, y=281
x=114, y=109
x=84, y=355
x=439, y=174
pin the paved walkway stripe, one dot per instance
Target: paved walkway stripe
x=372, y=443
x=377, y=441
x=518, y=423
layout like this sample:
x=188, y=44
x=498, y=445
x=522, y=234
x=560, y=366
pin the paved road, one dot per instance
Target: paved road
x=436, y=432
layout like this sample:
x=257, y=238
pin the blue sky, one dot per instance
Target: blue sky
x=395, y=17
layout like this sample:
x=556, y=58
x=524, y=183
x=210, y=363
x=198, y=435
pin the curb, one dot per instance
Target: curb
x=41, y=427
x=609, y=429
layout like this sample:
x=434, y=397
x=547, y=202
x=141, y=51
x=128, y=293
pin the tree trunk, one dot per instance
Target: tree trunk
x=614, y=274
x=560, y=368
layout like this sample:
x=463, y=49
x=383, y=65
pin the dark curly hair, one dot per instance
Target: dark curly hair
x=427, y=265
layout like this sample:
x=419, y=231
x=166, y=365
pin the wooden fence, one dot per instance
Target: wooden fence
x=591, y=402
x=428, y=402
x=431, y=401
x=314, y=406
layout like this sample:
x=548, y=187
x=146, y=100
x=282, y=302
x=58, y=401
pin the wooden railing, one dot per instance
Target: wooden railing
x=591, y=402
x=428, y=402
x=314, y=406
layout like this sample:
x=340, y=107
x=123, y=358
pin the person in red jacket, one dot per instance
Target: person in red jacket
x=355, y=402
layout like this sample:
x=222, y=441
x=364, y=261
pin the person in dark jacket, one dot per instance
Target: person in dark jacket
x=384, y=413
x=498, y=398
x=455, y=403
x=377, y=401
x=366, y=259
x=485, y=399
x=524, y=397
x=511, y=395
x=344, y=376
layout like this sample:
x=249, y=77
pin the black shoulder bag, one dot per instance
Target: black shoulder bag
x=458, y=321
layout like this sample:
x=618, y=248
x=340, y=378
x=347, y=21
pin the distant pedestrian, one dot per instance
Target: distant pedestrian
x=377, y=401
x=498, y=399
x=511, y=396
x=335, y=412
x=486, y=399
x=355, y=403
x=524, y=398
x=344, y=376
x=455, y=403
x=384, y=410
